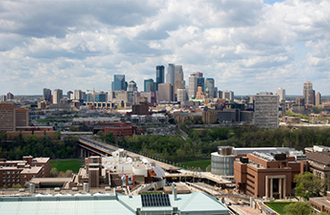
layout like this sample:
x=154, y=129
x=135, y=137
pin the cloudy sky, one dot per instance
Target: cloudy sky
x=247, y=46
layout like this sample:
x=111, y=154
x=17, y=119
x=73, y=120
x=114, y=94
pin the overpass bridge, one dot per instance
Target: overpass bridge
x=95, y=147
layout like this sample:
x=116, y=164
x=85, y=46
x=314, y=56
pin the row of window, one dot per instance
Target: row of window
x=8, y=176
x=8, y=172
x=4, y=180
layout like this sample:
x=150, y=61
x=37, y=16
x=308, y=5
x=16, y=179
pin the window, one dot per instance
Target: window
x=33, y=176
x=8, y=180
x=17, y=172
x=17, y=176
x=13, y=176
x=13, y=180
x=24, y=176
x=3, y=173
x=4, y=180
x=17, y=180
x=24, y=180
x=8, y=172
x=8, y=184
x=8, y=176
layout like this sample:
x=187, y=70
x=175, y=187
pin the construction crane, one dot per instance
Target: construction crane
x=93, y=94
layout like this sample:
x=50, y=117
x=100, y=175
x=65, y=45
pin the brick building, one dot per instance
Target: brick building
x=270, y=175
x=22, y=171
x=10, y=117
x=141, y=109
x=321, y=204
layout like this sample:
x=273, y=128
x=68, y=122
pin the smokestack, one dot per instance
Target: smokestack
x=86, y=187
x=32, y=188
x=174, y=191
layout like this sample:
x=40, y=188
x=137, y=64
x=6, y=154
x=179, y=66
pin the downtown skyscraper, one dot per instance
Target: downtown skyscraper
x=160, y=73
x=119, y=83
x=170, y=74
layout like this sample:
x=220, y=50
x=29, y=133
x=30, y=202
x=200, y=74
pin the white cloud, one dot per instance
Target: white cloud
x=246, y=46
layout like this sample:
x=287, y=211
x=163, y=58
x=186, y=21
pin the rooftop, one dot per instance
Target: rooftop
x=195, y=203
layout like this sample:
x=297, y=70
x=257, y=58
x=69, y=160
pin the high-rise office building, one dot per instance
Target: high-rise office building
x=215, y=94
x=160, y=72
x=318, y=101
x=192, y=87
x=281, y=93
x=132, y=87
x=266, y=110
x=308, y=93
x=78, y=95
x=228, y=95
x=209, y=84
x=47, y=94
x=201, y=83
x=170, y=74
x=182, y=94
x=149, y=85
x=2, y=98
x=119, y=83
x=57, y=96
x=179, y=83
x=165, y=92
x=10, y=96
x=198, y=74
x=69, y=94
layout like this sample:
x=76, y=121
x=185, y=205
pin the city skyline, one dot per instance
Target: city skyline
x=245, y=46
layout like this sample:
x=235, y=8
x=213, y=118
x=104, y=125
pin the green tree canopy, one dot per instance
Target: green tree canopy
x=300, y=208
x=308, y=185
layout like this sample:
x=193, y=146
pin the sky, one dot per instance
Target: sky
x=247, y=46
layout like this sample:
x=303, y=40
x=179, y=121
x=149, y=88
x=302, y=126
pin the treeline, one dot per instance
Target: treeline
x=203, y=142
x=17, y=146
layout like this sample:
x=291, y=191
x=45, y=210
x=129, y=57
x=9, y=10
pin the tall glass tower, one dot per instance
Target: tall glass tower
x=159, y=75
x=119, y=83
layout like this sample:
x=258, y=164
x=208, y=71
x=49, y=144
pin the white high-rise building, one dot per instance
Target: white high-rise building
x=182, y=93
x=57, y=95
x=281, y=93
x=77, y=95
x=170, y=74
x=266, y=110
x=192, y=87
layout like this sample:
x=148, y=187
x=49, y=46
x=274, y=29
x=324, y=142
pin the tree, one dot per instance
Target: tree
x=298, y=208
x=54, y=172
x=109, y=137
x=100, y=135
x=68, y=173
x=308, y=185
x=73, y=128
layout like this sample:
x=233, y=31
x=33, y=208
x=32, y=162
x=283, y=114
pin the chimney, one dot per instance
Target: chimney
x=174, y=191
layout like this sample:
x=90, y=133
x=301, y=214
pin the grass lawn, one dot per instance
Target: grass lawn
x=199, y=163
x=64, y=165
x=278, y=206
